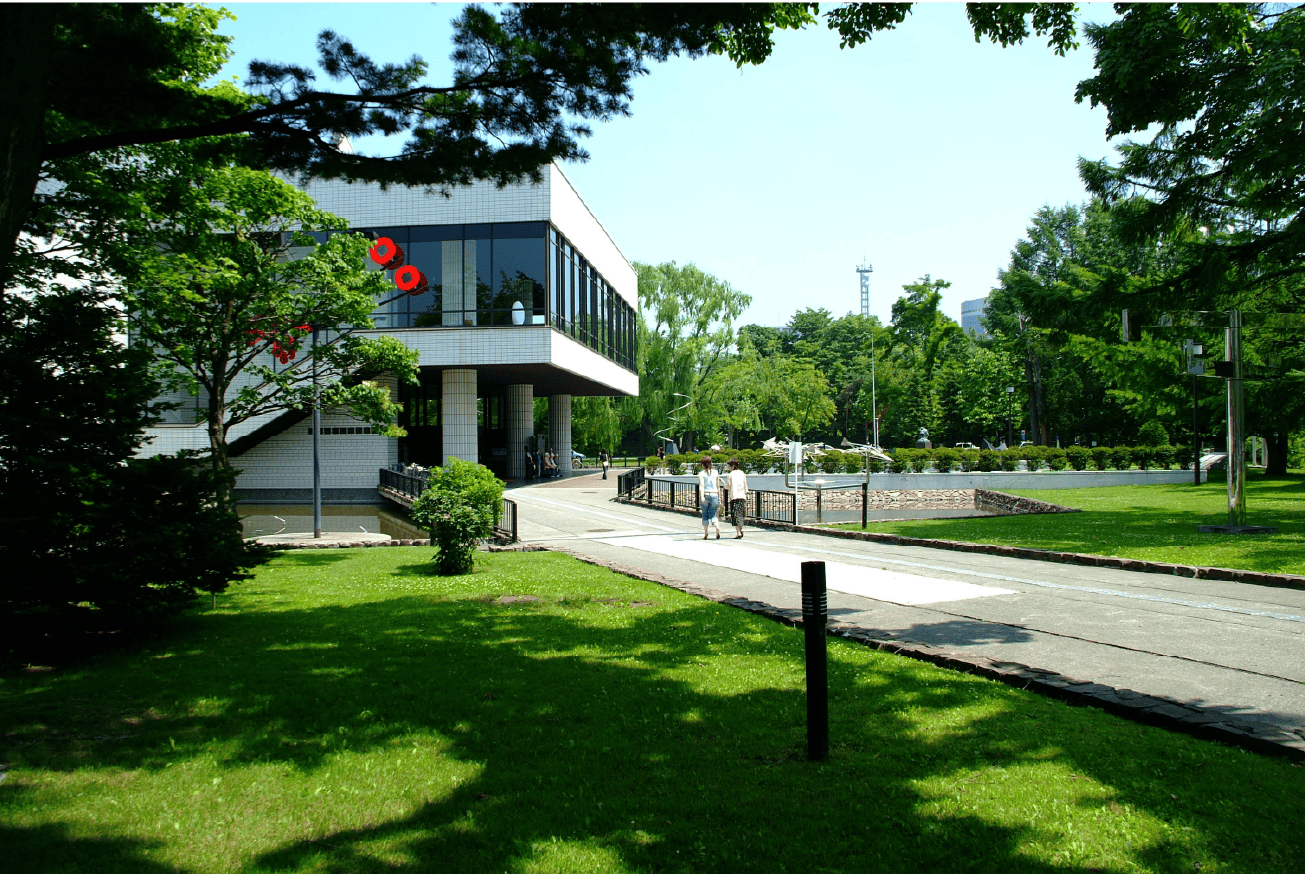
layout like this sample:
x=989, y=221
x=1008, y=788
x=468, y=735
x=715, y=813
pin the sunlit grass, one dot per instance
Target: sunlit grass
x=1157, y=523
x=345, y=711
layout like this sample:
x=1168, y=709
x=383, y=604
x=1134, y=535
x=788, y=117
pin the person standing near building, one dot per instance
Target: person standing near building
x=738, y=486
x=709, y=489
x=606, y=460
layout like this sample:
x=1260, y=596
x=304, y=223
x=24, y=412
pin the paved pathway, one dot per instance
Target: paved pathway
x=1210, y=653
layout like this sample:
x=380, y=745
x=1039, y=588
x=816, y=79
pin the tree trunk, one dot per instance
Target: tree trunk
x=1277, y=447
x=26, y=34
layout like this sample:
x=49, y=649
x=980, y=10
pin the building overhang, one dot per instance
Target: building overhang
x=535, y=355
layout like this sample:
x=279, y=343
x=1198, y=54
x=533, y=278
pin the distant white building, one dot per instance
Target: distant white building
x=971, y=314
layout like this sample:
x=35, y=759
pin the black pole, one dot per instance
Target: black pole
x=865, y=497
x=815, y=617
x=1196, y=440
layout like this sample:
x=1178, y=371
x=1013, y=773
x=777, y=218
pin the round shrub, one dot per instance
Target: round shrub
x=1009, y=459
x=1033, y=456
x=1077, y=457
x=1163, y=456
x=1183, y=456
x=652, y=463
x=1142, y=457
x=988, y=460
x=460, y=506
x=1056, y=458
x=1101, y=458
x=968, y=459
x=1121, y=458
x=1152, y=434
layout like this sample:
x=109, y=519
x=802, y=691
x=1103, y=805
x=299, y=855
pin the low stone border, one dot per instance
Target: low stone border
x=1260, y=578
x=1212, y=724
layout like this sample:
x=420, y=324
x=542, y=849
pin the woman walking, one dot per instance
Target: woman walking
x=709, y=489
x=738, y=482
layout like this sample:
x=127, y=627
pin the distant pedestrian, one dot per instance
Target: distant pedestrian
x=531, y=469
x=738, y=497
x=606, y=460
x=709, y=489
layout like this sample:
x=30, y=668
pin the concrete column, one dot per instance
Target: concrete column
x=458, y=413
x=559, y=429
x=520, y=426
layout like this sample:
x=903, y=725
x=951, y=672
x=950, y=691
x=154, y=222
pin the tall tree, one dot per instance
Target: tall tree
x=686, y=332
x=1225, y=84
x=224, y=286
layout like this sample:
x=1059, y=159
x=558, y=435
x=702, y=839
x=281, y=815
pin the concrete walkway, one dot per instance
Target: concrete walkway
x=1217, y=658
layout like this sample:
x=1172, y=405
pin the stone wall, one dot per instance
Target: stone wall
x=987, y=499
x=888, y=499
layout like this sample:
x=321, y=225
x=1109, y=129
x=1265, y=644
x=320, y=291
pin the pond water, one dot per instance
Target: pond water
x=269, y=519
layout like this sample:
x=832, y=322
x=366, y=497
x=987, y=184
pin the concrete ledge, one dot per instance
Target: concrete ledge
x=1214, y=724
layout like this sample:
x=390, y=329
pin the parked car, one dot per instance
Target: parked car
x=966, y=445
x=578, y=456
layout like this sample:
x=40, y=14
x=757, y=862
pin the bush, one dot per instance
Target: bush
x=1078, y=457
x=1056, y=458
x=1143, y=456
x=876, y=465
x=1010, y=459
x=969, y=459
x=675, y=463
x=1183, y=455
x=1101, y=458
x=1033, y=456
x=1121, y=458
x=946, y=458
x=988, y=460
x=831, y=462
x=1164, y=456
x=853, y=463
x=460, y=506
x=901, y=461
x=652, y=463
x=1153, y=434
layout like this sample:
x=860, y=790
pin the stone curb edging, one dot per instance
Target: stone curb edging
x=1210, y=724
x=1200, y=572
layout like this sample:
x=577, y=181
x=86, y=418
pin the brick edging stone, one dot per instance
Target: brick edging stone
x=1211, y=724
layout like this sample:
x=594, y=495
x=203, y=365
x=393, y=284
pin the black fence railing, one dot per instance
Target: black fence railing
x=628, y=482
x=411, y=485
x=763, y=504
x=507, y=521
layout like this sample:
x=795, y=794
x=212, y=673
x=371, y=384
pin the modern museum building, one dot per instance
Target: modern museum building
x=526, y=297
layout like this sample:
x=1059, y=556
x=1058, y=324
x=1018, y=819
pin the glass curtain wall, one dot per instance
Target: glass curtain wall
x=507, y=273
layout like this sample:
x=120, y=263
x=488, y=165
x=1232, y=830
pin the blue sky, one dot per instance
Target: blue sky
x=920, y=151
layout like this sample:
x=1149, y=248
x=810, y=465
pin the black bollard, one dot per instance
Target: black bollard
x=815, y=617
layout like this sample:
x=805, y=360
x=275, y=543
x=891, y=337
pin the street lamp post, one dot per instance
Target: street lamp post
x=317, y=431
x=1010, y=435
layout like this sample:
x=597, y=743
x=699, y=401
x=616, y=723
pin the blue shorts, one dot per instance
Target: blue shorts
x=710, y=506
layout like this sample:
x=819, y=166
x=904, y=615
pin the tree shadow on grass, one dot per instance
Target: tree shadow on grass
x=595, y=735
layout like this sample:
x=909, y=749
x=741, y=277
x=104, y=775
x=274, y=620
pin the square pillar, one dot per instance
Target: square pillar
x=520, y=426
x=559, y=429
x=458, y=413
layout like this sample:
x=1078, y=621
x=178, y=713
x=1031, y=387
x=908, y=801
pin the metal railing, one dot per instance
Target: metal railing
x=628, y=482
x=506, y=527
x=411, y=485
x=763, y=504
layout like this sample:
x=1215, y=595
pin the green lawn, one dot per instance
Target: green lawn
x=1157, y=523
x=345, y=711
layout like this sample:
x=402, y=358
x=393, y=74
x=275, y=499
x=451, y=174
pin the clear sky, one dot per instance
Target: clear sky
x=921, y=151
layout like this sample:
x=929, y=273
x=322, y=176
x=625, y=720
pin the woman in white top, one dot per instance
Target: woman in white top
x=709, y=489
x=738, y=497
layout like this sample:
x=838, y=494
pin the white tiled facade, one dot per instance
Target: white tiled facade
x=520, y=361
